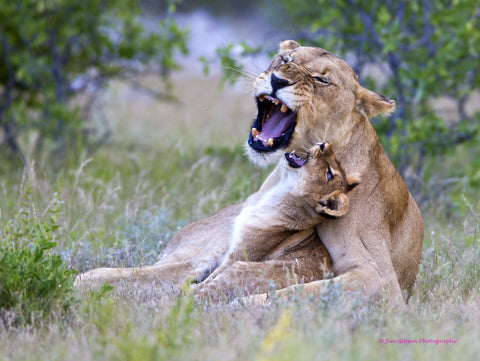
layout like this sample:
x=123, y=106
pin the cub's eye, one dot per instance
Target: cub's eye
x=321, y=79
x=329, y=175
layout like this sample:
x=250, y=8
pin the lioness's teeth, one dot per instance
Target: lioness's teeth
x=269, y=115
x=276, y=102
x=284, y=108
x=255, y=133
x=292, y=153
x=261, y=98
x=270, y=142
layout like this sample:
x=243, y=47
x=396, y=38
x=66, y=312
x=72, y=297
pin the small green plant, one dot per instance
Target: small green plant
x=34, y=281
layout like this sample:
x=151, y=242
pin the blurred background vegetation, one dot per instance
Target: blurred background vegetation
x=53, y=50
x=115, y=131
x=57, y=56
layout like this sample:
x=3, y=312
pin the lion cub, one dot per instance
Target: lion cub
x=277, y=227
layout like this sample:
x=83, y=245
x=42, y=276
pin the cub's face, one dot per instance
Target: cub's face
x=322, y=180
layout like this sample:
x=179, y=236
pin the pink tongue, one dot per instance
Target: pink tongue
x=274, y=127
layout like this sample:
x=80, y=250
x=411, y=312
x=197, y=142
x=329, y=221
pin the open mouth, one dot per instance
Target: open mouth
x=294, y=160
x=274, y=125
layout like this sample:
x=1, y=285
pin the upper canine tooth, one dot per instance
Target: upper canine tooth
x=261, y=98
x=255, y=133
x=284, y=108
x=270, y=142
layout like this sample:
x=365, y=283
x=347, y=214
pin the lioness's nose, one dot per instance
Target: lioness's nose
x=277, y=83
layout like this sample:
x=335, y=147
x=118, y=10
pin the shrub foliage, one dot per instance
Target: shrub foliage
x=34, y=281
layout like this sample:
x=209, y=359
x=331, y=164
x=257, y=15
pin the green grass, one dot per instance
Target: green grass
x=168, y=165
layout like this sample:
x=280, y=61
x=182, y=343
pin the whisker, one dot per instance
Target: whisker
x=250, y=76
x=259, y=69
x=243, y=80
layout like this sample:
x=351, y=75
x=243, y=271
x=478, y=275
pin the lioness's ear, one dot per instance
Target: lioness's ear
x=373, y=104
x=335, y=204
x=353, y=180
x=288, y=45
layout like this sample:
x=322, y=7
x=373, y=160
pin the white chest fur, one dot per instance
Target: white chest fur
x=259, y=207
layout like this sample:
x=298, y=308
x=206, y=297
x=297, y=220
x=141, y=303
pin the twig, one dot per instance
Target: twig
x=8, y=128
x=152, y=92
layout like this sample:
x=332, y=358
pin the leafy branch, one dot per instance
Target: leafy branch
x=53, y=50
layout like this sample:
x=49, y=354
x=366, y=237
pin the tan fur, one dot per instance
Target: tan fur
x=265, y=233
x=191, y=255
x=375, y=247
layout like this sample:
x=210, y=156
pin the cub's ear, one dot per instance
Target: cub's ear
x=353, y=180
x=288, y=45
x=335, y=204
x=373, y=104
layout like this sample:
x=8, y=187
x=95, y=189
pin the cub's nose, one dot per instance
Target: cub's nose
x=324, y=147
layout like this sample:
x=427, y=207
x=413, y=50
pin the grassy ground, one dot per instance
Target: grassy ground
x=170, y=164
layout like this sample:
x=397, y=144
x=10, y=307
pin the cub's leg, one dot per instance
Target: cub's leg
x=246, y=278
x=302, y=257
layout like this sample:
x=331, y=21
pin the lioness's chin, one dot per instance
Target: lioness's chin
x=262, y=159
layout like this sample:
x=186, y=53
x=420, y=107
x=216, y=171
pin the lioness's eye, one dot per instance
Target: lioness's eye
x=329, y=175
x=321, y=79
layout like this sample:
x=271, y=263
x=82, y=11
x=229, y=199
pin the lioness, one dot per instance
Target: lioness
x=376, y=247
x=308, y=94
x=266, y=233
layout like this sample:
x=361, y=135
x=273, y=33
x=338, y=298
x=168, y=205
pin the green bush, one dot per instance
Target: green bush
x=35, y=283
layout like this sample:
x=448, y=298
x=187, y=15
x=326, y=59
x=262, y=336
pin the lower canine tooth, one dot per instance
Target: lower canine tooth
x=255, y=133
x=270, y=142
x=284, y=108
